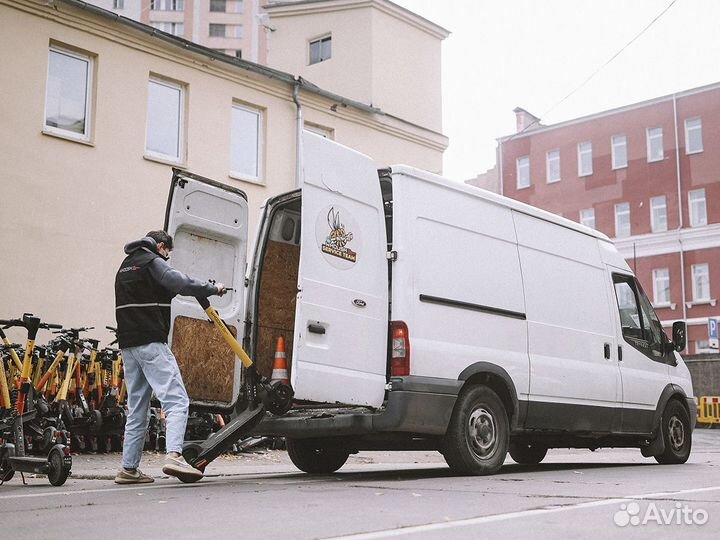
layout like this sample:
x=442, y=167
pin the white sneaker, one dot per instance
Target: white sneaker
x=181, y=469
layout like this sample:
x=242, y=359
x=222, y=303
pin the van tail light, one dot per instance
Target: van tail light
x=399, y=349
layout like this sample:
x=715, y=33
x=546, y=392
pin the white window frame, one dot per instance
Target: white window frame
x=582, y=149
x=159, y=156
x=658, y=203
x=89, y=87
x=552, y=156
x=118, y=4
x=522, y=164
x=167, y=5
x=617, y=141
x=260, y=148
x=587, y=217
x=698, y=270
x=319, y=41
x=696, y=196
x=688, y=129
x=169, y=27
x=328, y=133
x=650, y=137
x=620, y=209
x=661, y=294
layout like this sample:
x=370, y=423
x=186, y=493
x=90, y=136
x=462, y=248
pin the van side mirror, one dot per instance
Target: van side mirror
x=679, y=335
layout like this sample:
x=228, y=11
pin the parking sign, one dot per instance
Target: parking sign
x=713, y=332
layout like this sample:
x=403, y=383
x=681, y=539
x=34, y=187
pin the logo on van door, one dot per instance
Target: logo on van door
x=336, y=236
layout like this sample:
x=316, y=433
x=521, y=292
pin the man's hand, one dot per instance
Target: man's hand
x=221, y=290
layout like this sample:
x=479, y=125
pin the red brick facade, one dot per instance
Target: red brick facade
x=636, y=183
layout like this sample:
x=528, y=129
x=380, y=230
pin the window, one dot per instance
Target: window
x=68, y=94
x=246, y=143
x=584, y=150
x=118, y=4
x=622, y=220
x=165, y=121
x=698, y=209
x=320, y=50
x=217, y=30
x=658, y=214
x=218, y=6
x=701, y=282
x=553, y=166
x=234, y=31
x=319, y=130
x=641, y=327
x=655, y=150
x=587, y=217
x=661, y=286
x=235, y=6
x=176, y=29
x=523, y=172
x=693, y=136
x=619, y=151
x=167, y=5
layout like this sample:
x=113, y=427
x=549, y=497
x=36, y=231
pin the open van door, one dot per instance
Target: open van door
x=341, y=321
x=208, y=222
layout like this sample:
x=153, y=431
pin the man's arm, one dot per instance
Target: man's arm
x=178, y=283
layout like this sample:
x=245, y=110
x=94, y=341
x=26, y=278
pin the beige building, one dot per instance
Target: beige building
x=98, y=109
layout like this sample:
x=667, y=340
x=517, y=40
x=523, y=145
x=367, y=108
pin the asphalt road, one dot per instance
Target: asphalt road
x=377, y=495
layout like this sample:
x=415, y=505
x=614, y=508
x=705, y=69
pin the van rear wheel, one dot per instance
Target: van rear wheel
x=477, y=438
x=316, y=456
x=677, y=435
x=526, y=453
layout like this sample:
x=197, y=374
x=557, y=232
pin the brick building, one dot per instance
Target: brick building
x=647, y=175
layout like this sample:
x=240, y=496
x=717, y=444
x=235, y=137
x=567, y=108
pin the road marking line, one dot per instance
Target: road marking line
x=390, y=533
x=116, y=489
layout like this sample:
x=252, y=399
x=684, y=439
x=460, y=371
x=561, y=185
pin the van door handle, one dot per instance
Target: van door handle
x=316, y=329
x=607, y=350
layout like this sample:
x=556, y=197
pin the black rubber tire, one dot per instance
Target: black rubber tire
x=316, y=456
x=526, y=453
x=477, y=438
x=57, y=473
x=676, y=433
x=6, y=470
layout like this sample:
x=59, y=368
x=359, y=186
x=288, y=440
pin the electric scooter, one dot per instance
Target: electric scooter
x=261, y=396
x=58, y=462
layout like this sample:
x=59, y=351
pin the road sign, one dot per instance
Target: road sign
x=713, y=332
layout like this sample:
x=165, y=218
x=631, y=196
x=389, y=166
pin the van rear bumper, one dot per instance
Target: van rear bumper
x=421, y=405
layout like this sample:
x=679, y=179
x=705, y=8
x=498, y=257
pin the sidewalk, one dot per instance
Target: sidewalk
x=104, y=466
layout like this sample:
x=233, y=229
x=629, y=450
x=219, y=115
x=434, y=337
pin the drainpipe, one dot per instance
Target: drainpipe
x=680, y=207
x=500, y=166
x=298, y=132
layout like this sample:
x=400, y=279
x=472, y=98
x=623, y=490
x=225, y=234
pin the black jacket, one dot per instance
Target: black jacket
x=144, y=286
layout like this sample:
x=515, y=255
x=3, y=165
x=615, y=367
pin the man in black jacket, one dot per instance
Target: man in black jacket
x=145, y=284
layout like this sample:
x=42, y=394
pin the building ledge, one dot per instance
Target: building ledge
x=690, y=239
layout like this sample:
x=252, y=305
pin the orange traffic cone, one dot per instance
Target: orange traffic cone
x=279, y=372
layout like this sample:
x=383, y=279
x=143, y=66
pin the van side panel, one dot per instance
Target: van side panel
x=573, y=355
x=457, y=282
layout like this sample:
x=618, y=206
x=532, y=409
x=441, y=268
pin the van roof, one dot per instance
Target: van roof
x=498, y=199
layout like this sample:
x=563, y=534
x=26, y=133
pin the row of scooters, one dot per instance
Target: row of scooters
x=65, y=397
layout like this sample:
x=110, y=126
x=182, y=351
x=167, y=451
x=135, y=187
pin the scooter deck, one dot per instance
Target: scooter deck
x=200, y=454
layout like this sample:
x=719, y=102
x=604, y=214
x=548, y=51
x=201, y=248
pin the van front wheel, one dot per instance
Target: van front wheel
x=477, y=438
x=675, y=429
x=316, y=456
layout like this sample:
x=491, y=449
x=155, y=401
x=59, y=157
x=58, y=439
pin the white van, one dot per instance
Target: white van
x=421, y=313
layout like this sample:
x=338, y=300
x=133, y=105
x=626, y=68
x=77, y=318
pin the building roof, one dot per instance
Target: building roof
x=384, y=5
x=187, y=45
x=541, y=128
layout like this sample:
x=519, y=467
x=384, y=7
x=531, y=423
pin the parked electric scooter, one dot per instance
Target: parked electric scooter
x=58, y=462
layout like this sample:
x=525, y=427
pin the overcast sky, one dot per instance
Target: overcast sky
x=532, y=53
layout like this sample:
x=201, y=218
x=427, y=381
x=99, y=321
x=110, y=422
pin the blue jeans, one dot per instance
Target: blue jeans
x=149, y=368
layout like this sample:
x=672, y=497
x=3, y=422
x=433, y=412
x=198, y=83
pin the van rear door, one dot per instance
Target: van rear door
x=208, y=221
x=341, y=321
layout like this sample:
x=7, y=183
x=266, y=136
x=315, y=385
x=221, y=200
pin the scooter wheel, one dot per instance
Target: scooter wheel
x=57, y=473
x=6, y=471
